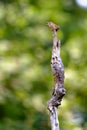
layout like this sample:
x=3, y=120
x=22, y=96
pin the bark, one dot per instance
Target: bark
x=58, y=73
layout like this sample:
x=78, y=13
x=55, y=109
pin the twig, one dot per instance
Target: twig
x=58, y=73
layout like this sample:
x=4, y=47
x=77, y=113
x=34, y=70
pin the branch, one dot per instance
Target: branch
x=58, y=73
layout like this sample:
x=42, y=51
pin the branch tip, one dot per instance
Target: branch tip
x=53, y=26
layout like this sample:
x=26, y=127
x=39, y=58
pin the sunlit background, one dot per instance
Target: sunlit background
x=26, y=79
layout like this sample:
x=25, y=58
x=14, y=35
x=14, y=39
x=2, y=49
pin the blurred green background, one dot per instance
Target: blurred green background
x=26, y=79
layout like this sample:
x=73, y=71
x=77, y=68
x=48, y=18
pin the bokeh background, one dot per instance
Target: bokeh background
x=26, y=79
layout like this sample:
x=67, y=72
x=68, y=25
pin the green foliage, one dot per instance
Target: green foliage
x=26, y=79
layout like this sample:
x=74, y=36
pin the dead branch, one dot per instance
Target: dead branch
x=58, y=73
